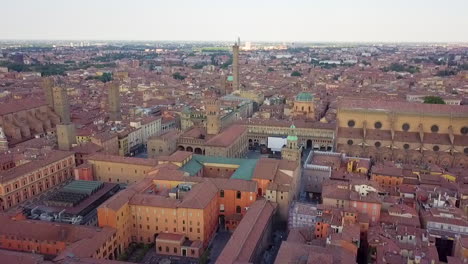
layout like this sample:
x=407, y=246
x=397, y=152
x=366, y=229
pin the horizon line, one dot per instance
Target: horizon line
x=258, y=41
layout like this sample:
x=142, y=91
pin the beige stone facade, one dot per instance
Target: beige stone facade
x=117, y=169
x=165, y=144
x=404, y=132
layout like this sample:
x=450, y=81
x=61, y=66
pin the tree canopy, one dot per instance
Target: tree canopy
x=296, y=74
x=401, y=68
x=178, y=76
x=433, y=100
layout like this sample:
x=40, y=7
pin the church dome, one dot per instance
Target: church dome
x=305, y=97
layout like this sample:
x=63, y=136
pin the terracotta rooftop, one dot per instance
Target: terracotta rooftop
x=403, y=106
x=227, y=137
x=243, y=242
x=125, y=160
x=25, y=104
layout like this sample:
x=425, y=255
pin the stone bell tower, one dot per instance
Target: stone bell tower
x=291, y=150
x=213, y=120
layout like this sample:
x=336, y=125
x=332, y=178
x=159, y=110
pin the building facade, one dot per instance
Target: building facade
x=404, y=132
x=41, y=173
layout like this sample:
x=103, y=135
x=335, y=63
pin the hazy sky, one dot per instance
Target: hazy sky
x=255, y=20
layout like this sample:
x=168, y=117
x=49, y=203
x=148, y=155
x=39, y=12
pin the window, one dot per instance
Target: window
x=167, y=249
x=221, y=208
x=465, y=150
x=434, y=128
x=221, y=193
x=405, y=127
x=238, y=195
x=435, y=148
x=350, y=142
x=175, y=250
x=406, y=146
x=464, y=130
x=377, y=144
x=378, y=125
x=238, y=209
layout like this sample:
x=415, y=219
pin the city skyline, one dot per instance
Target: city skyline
x=299, y=21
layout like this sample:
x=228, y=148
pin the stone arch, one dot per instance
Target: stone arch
x=198, y=151
x=189, y=149
x=309, y=143
x=181, y=148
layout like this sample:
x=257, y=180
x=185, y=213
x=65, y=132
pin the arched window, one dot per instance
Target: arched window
x=238, y=195
x=221, y=193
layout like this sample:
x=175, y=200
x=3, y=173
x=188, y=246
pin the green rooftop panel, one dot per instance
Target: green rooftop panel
x=87, y=187
x=244, y=172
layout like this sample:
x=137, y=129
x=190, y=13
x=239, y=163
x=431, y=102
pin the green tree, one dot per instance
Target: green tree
x=296, y=74
x=106, y=77
x=270, y=69
x=226, y=64
x=178, y=76
x=433, y=100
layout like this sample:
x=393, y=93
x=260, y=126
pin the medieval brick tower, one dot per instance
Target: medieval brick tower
x=235, y=66
x=213, y=120
x=114, y=101
x=66, y=135
x=61, y=104
x=47, y=85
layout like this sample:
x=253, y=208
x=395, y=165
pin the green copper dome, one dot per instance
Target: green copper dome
x=230, y=78
x=304, y=97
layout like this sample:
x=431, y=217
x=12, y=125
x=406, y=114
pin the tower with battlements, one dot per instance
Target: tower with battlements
x=213, y=120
